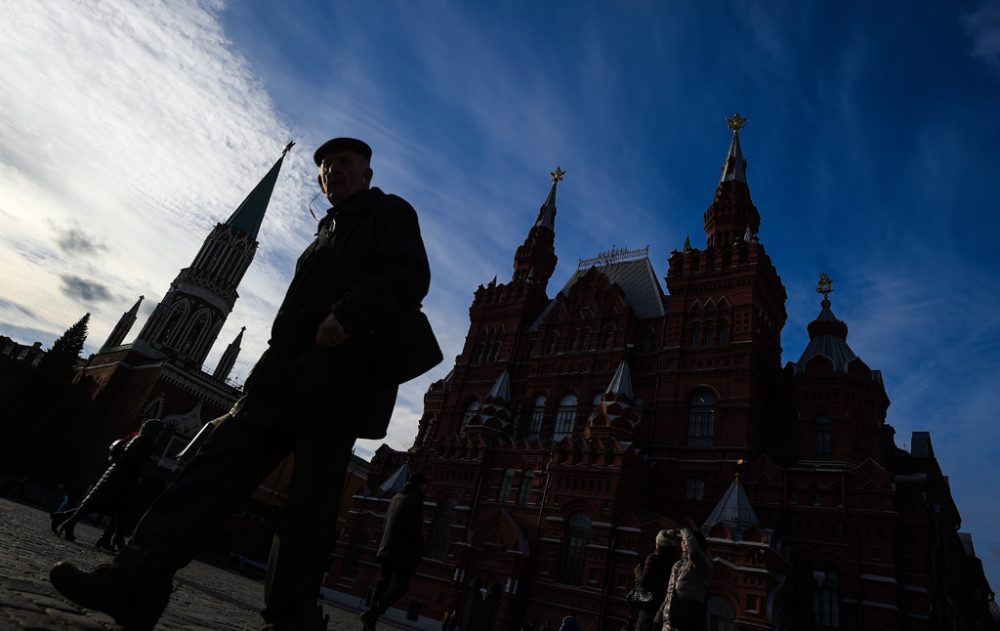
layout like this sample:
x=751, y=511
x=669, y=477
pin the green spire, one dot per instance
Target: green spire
x=249, y=215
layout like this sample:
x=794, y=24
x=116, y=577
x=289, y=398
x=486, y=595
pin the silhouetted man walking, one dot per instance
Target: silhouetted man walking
x=348, y=332
x=401, y=548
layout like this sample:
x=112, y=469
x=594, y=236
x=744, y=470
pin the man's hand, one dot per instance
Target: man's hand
x=330, y=333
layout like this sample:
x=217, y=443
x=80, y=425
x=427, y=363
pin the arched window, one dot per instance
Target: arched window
x=470, y=411
x=609, y=338
x=826, y=600
x=505, y=486
x=195, y=332
x=437, y=539
x=428, y=430
x=552, y=343
x=574, y=549
x=173, y=322
x=565, y=418
x=701, y=420
x=358, y=543
x=571, y=340
x=723, y=332
x=695, y=333
x=824, y=437
x=721, y=615
x=537, y=415
x=709, y=332
x=584, y=341
x=646, y=340
x=524, y=493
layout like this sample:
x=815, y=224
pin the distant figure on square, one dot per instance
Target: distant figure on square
x=651, y=580
x=348, y=332
x=685, y=606
x=569, y=623
x=126, y=457
x=401, y=548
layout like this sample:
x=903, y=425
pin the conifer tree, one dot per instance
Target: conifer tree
x=58, y=362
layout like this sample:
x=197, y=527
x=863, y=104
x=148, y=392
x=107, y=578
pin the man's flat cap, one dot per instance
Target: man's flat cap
x=343, y=144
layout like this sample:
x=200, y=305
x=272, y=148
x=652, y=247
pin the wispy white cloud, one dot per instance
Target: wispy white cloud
x=983, y=27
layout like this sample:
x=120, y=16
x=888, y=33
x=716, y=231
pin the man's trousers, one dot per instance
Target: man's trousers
x=233, y=462
x=392, y=583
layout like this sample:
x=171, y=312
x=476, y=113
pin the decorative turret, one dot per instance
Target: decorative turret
x=733, y=511
x=495, y=413
x=122, y=328
x=732, y=215
x=186, y=323
x=536, y=259
x=614, y=417
x=229, y=357
x=827, y=335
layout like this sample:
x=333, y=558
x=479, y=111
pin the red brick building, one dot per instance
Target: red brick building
x=571, y=429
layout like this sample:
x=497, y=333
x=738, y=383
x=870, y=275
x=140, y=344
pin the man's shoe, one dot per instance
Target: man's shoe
x=57, y=520
x=369, y=618
x=134, y=604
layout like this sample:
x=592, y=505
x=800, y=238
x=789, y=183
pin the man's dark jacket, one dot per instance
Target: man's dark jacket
x=402, y=545
x=368, y=266
x=655, y=574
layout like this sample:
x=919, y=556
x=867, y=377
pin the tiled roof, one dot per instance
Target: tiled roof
x=733, y=511
x=636, y=278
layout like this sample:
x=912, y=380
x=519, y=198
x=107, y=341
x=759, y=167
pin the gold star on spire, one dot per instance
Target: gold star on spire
x=825, y=286
x=557, y=175
x=288, y=147
x=736, y=122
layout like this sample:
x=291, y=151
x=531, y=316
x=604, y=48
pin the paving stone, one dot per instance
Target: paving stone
x=206, y=597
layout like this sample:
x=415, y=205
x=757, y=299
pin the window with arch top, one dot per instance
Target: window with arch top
x=565, y=418
x=701, y=420
x=537, y=416
x=524, y=493
x=574, y=549
x=824, y=437
x=505, y=485
x=470, y=411
x=437, y=539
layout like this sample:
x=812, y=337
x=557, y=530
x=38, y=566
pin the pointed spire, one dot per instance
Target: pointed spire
x=501, y=388
x=229, y=357
x=621, y=383
x=735, y=167
x=124, y=325
x=249, y=215
x=733, y=511
x=687, y=243
x=547, y=213
x=732, y=212
x=535, y=259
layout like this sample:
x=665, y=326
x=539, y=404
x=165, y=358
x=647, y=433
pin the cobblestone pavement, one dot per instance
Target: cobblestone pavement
x=206, y=597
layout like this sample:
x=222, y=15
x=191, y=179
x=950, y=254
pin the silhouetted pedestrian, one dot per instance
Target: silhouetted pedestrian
x=652, y=578
x=401, y=547
x=684, y=608
x=126, y=459
x=348, y=332
x=569, y=623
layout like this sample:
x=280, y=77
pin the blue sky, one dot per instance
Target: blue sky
x=127, y=132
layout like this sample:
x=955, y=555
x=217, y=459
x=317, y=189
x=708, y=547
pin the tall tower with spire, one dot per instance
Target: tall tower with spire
x=732, y=216
x=186, y=323
x=229, y=357
x=123, y=327
x=536, y=259
x=723, y=330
